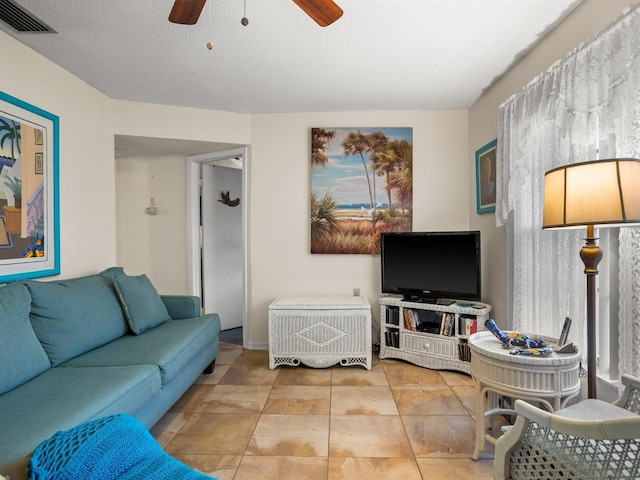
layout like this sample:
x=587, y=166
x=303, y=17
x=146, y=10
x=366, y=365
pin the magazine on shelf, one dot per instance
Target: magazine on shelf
x=447, y=325
x=471, y=326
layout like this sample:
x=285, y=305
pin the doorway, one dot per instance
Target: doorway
x=216, y=209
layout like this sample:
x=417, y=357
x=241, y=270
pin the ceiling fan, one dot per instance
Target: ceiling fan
x=324, y=12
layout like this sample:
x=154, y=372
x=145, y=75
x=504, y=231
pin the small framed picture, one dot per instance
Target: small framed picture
x=39, y=163
x=38, y=136
x=486, y=177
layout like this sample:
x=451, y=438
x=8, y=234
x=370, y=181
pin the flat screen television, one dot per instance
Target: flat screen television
x=427, y=266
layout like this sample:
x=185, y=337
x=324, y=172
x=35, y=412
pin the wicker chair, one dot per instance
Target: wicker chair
x=589, y=440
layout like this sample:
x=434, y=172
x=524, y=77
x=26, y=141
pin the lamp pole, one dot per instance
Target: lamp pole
x=591, y=254
x=599, y=192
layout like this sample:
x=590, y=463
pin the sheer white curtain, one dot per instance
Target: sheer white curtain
x=585, y=107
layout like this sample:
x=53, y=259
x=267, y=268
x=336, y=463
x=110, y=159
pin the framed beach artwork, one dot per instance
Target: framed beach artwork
x=486, y=178
x=361, y=185
x=29, y=229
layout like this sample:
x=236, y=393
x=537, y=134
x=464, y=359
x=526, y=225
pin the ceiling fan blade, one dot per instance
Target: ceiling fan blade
x=324, y=12
x=186, y=12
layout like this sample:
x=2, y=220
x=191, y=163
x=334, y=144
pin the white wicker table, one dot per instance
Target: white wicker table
x=320, y=331
x=551, y=380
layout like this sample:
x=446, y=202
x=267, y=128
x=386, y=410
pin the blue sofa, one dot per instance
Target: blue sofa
x=80, y=349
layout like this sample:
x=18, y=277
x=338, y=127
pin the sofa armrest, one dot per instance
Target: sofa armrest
x=182, y=306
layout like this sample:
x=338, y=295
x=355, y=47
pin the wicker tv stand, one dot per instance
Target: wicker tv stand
x=430, y=347
x=320, y=331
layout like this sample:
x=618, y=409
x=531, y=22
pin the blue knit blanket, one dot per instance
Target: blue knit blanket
x=110, y=448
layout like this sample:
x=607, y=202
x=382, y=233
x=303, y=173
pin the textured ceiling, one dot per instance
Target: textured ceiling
x=381, y=55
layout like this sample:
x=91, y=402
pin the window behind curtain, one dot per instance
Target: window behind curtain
x=585, y=107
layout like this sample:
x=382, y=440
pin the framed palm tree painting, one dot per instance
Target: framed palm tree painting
x=361, y=185
x=29, y=230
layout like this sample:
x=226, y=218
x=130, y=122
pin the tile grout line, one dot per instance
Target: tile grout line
x=335, y=375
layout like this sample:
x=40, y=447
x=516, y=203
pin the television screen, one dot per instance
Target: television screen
x=431, y=265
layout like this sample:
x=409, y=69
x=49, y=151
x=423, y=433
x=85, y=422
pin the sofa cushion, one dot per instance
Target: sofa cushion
x=21, y=355
x=61, y=398
x=73, y=316
x=143, y=307
x=170, y=346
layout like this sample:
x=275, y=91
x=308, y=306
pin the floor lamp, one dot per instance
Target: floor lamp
x=601, y=193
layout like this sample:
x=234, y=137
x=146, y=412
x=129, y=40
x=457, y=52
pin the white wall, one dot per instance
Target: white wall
x=279, y=210
x=157, y=246
x=279, y=175
x=164, y=121
x=582, y=24
x=153, y=245
x=279, y=191
x=87, y=181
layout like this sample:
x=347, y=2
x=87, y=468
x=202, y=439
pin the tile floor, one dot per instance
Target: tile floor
x=395, y=421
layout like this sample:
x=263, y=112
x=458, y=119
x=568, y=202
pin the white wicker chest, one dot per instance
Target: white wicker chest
x=320, y=331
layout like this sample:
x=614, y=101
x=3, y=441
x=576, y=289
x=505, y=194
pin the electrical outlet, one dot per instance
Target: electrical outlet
x=356, y=292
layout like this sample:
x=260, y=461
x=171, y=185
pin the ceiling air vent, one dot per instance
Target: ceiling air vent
x=21, y=20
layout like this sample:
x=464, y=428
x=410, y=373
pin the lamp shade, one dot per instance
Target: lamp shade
x=599, y=193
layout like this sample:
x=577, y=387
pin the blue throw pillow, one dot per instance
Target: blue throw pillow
x=112, y=272
x=21, y=355
x=143, y=307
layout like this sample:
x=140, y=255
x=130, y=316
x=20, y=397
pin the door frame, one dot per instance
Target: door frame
x=194, y=229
